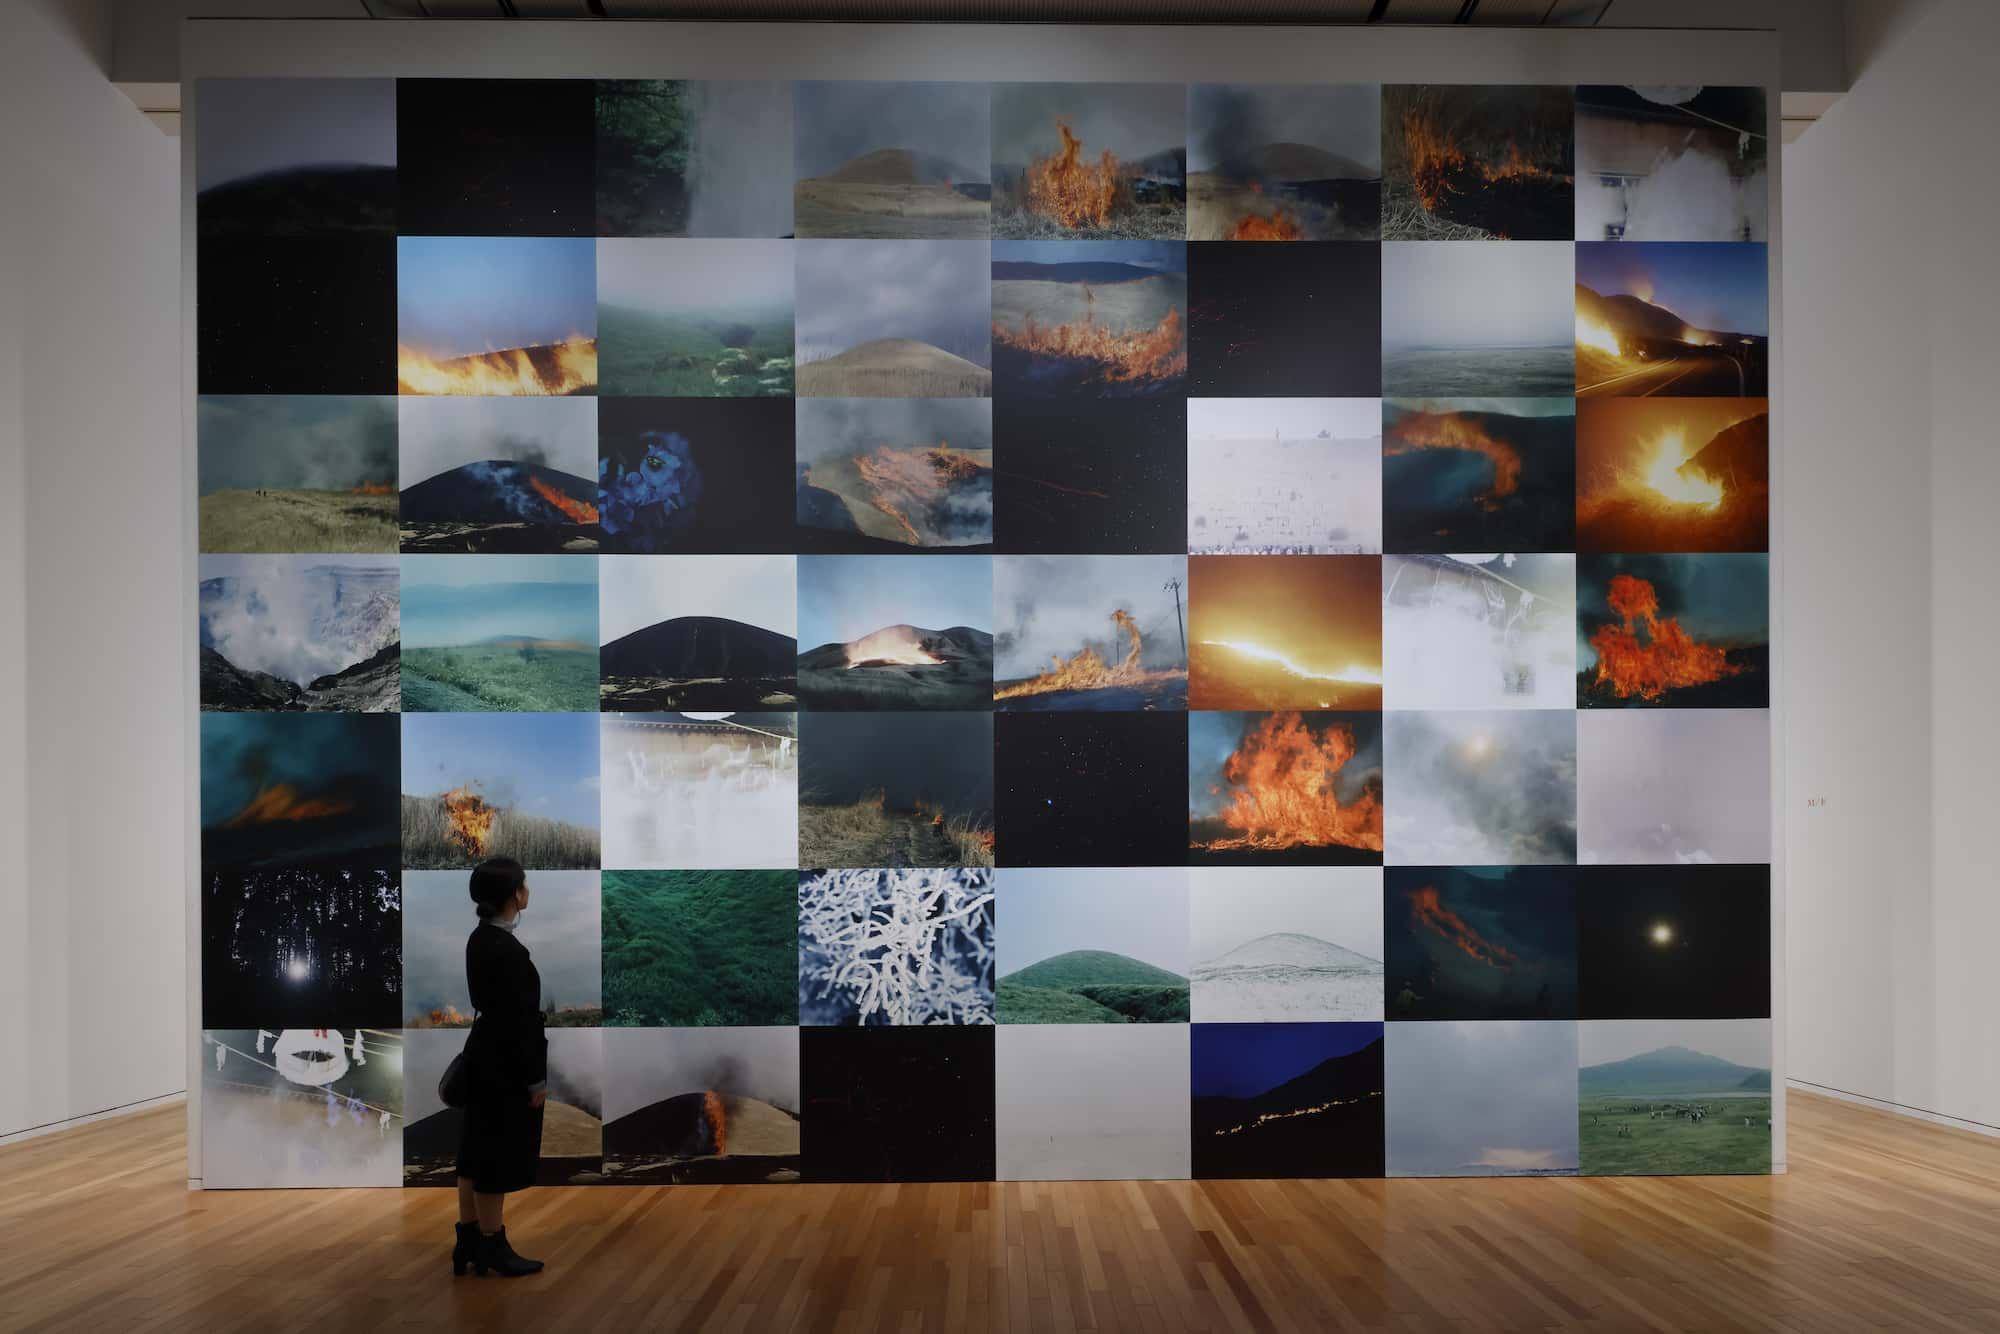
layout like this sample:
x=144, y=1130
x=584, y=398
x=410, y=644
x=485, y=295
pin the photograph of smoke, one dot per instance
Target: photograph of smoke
x=891, y=160
x=883, y=474
x=1673, y=632
x=520, y=785
x=296, y=473
x=1687, y=163
x=1092, y=319
x=1057, y=648
x=1284, y=163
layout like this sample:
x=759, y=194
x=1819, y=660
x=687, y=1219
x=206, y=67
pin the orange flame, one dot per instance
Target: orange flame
x=1669, y=660
x=1429, y=912
x=1439, y=168
x=1072, y=192
x=558, y=368
x=281, y=803
x=1281, y=791
x=374, y=489
x=1454, y=430
x=577, y=510
x=893, y=646
x=1158, y=353
x=718, y=1123
x=900, y=480
x=1087, y=671
x=471, y=820
x=448, y=1017
x=1280, y=226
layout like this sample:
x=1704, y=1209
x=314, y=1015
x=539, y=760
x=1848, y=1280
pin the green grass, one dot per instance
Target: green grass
x=640, y=352
x=1668, y=1145
x=700, y=949
x=329, y=521
x=499, y=679
x=1092, y=987
x=1017, y=1004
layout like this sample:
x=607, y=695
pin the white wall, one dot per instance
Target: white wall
x=1892, y=369
x=92, y=667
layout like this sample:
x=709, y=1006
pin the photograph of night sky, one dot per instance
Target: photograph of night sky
x=1673, y=942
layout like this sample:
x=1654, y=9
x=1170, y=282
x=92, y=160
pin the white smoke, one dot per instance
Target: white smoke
x=739, y=129
x=296, y=618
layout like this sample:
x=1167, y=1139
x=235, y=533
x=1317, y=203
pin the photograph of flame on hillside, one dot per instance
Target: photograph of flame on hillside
x=887, y=474
x=1089, y=632
x=572, y=1125
x=561, y=930
x=700, y=632
x=694, y=319
x=1479, y=630
x=496, y=316
x=1285, y=789
x=701, y=949
x=296, y=157
x=1672, y=164
x=1522, y=1123
x=1097, y=946
x=1285, y=321
x=896, y=632
x=1091, y=319
x=700, y=790
x=1090, y=789
x=1478, y=163
x=1475, y=474
x=495, y=157
x=891, y=160
x=1668, y=318
x=300, y=634
x=1475, y=788
x=301, y=1107
x=1286, y=1100
x=896, y=789
x=296, y=473
x=499, y=634
x=1090, y=161
x=709, y=475
x=1091, y=475
x=1284, y=476
x=677, y=157
x=893, y=319
x=1686, y=632
x=301, y=914
x=296, y=314
x=1299, y=162
x=1480, y=942
x=492, y=475
x=1285, y=632
x=520, y=785
x=1673, y=474
x=701, y=1105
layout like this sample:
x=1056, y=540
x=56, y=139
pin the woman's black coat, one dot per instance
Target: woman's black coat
x=506, y=1055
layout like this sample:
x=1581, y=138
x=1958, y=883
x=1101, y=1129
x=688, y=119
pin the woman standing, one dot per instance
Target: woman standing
x=506, y=1059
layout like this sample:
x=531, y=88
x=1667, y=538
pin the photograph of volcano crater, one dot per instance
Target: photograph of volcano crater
x=498, y=476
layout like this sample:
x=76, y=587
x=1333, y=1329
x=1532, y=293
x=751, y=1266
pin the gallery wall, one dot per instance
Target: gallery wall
x=994, y=666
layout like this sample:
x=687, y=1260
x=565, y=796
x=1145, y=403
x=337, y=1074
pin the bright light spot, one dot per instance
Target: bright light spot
x=1664, y=474
x=1662, y=934
x=1353, y=674
x=1589, y=333
x=1477, y=746
x=707, y=717
x=297, y=970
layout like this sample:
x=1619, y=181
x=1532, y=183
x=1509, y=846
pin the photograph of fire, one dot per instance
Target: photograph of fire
x=1097, y=946
x=497, y=475
x=1470, y=474
x=1285, y=321
x=499, y=634
x=1285, y=632
x=1286, y=1100
x=896, y=789
x=1090, y=789
x=893, y=319
x=1480, y=942
x=496, y=316
x=1284, y=163
x=1090, y=161
x=703, y=790
x=702, y=475
x=1479, y=630
x=1090, y=476
x=1688, y=163
x=496, y=157
x=896, y=632
x=1673, y=474
x=701, y=1105
x=562, y=933
x=296, y=473
x=1479, y=788
x=572, y=1141
x=888, y=474
x=1284, y=476
x=1672, y=318
x=694, y=319
x=1287, y=788
x=1468, y=163
x=1089, y=633
x=697, y=632
x=1465, y=320
x=1089, y=319
x=1681, y=631
x=520, y=785
x=891, y=160
x=302, y=1107
x=300, y=634
x=683, y=157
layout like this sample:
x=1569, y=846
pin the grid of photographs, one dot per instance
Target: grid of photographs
x=1021, y=630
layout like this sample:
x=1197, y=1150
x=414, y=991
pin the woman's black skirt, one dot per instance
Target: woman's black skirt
x=501, y=1145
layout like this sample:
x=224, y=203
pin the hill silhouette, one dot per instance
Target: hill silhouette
x=700, y=646
x=897, y=368
x=1093, y=968
x=495, y=491
x=1092, y=271
x=1288, y=949
x=1671, y=1070
x=899, y=166
x=1325, y=1122
x=1295, y=162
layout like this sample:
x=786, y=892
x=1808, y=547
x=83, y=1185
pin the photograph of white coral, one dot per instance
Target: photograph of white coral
x=896, y=947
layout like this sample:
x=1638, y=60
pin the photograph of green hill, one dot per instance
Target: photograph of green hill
x=296, y=473
x=700, y=949
x=499, y=634
x=1674, y=1097
x=694, y=319
x=1097, y=946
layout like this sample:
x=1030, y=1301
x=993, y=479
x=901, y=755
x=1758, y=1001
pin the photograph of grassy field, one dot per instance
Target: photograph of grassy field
x=520, y=785
x=891, y=160
x=1282, y=162
x=1665, y=1097
x=700, y=949
x=499, y=634
x=694, y=319
x=893, y=319
x=1105, y=946
x=1090, y=161
x=296, y=473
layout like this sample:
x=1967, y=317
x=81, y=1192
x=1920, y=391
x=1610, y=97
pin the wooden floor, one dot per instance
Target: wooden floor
x=1884, y=1223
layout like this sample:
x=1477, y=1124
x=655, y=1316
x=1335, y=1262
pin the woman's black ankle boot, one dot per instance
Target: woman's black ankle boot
x=495, y=1254
x=466, y=1248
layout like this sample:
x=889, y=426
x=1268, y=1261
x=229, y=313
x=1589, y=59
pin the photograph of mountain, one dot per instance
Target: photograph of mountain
x=700, y=632
x=1286, y=1100
x=1089, y=319
x=1284, y=476
x=301, y=1107
x=1090, y=161
x=701, y=949
x=295, y=473
x=1473, y=474
x=1478, y=163
x=1672, y=318
x=572, y=1117
x=897, y=1104
x=299, y=634
x=520, y=785
x=896, y=789
x=1286, y=944
x=1101, y=946
x=1683, y=788
x=1090, y=476
x=1284, y=788
x=499, y=634
x=1285, y=632
x=1480, y=942
x=896, y=632
x=495, y=157
x=701, y=1105
x=561, y=931
x=1662, y=1097
x=700, y=790
x=296, y=314
x=687, y=157
x=891, y=160
x=1089, y=633
x=1480, y=630
x=1079, y=1103
x=1673, y=474
x=889, y=474
x=710, y=475
x=1270, y=162
x=497, y=475
x=1522, y=1123
x=1674, y=942
x=1688, y=163
x=694, y=319
x=1673, y=632
x=496, y=315
x=1090, y=789
x=296, y=157
x=1462, y=319
x=1285, y=321
x=893, y=319
x=1480, y=787
x=896, y=947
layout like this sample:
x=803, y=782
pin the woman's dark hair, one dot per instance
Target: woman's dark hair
x=494, y=881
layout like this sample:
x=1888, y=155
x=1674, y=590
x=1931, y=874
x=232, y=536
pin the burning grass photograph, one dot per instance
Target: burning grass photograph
x=1674, y=319
x=1673, y=474
x=694, y=318
x=499, y=634
x=560, y=930
x=1285, y=321
x=497, y=476
x=888, y=474
x=1284, y=476
x=1481, y=788
x=1674, y=1097
x=694, y=475
x=296, y=314
x=1689, y=163
x=891, y=160
x=296, y=157
x=898, y=1104
x=896, y=947
x=1521, y=1124
x=1284, y=789
x=572, y=1119
x=1292, y=162
x=700, y=790
x=1090, y=789
x=1089, y=633
x=1286, y=1100
x=495, y=157
x=701, y=949
x=1089, y=319
x=284, y=1108
x=1107, y=945
x=893, y=319
x=896, y=632
x=1674, y=942
x=1482, y=630
x=684, y=157
x=1480, y=943
x=496, y=316
x=1464, y=163
x=896, y=789
x=1474, y=474
x=296, y=473
x=1286, y=944
x=520, y=785
x=1465, y=320
x=1673, y=631
x=299, y=634
x=1082, y=1103
x=700, y=632
x=1090, y=161
x=692, y=1106
x=1689, y=787
x=1091, y=476
x=1285, y=632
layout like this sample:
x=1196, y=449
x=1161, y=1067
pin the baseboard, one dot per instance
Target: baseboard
x=1899, y=1108
x=71, y=1123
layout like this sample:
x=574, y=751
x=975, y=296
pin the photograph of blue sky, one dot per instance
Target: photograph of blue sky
x=1724, y=288
x=842, y=598
x=539, y=763
x=457, y=600
x=460, y=295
